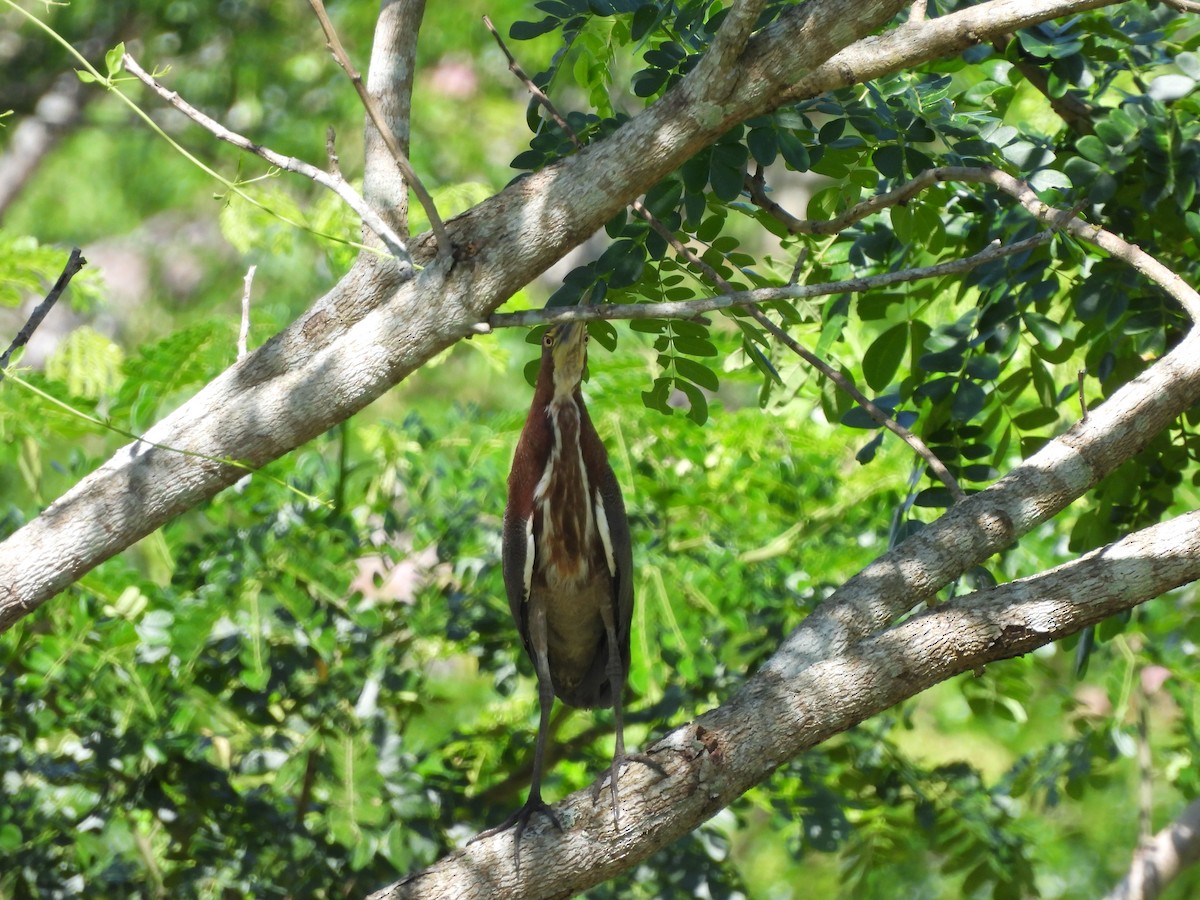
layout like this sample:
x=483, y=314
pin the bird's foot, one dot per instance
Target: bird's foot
x=611, y=776
x=521, y=819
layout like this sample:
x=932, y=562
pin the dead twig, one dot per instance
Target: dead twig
x=75, y=262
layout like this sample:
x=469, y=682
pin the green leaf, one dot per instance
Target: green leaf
x=698, y=412
x=793, y=151
x=1047, y=332
x=968, y=401
x=697, y=372
x=883, y=357
x=113, y=60
x=524, y=31
x=889, y=160
x=694, y=346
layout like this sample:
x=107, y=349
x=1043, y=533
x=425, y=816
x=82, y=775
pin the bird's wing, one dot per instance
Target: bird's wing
x=614, y=528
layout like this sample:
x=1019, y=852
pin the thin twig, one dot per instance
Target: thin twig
x=75, y=262
x=331, y=180
x=687, y=309
x=244, y=331
x=444, y=248
x=916, y=12
x=1082, y=398
x=537, y=92
x=874, y=411
x=1184, y=5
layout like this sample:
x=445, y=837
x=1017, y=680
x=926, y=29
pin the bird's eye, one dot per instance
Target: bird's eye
x=586, y=338
x=547, y=340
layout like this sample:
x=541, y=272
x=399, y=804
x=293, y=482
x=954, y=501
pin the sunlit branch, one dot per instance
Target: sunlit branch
x=331, y=180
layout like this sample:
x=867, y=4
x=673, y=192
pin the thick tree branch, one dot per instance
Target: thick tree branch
x=1160, y=860
x=716, y=758
x=331, y=180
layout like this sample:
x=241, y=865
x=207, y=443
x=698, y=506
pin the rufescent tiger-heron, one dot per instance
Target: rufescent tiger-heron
x=568, y=562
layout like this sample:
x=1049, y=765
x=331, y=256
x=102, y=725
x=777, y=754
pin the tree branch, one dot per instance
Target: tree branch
x=75, y=262
x=689, y=309
x=716, y=758
x=444, y=247
x=331, y=180
x=1163, y=858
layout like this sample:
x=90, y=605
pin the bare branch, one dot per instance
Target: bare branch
x=444, y=247
x=1160, y=860
x=331, y=180
x=531, y=86
x=75, y=262
x=1184, y=5
x=689, y=309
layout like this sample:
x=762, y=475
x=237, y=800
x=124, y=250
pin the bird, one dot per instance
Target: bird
x=568, y=563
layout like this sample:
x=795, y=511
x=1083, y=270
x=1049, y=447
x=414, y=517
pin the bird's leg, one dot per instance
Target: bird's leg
x=535, y=803
x=616, y=677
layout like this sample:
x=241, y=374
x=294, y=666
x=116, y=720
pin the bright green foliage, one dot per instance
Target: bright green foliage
x=279, y=696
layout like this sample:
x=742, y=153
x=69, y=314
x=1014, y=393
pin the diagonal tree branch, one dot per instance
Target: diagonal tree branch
x=331, y=180
x=723, y=753
x=75, y=262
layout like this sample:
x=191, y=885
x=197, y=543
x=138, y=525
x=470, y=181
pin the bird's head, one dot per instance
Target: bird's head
x=564, y=348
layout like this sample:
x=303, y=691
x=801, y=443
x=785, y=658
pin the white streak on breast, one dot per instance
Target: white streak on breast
x=605, y=536
x=529, y=554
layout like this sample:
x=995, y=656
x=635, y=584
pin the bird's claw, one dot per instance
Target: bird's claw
x=521, y=819
x=614, y=771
